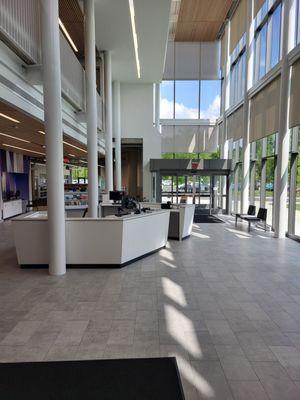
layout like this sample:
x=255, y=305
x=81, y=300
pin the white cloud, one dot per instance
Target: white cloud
x=183, y=112
x=213, y=110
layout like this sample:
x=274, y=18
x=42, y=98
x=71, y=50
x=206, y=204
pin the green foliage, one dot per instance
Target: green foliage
x=191, y=156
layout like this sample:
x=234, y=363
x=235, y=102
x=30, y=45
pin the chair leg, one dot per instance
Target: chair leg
x=236, y=220
x=249, y=225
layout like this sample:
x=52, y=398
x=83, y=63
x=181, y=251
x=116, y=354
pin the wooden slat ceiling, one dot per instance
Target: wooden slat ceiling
x=27, y=129
x=200, y=20
x=72, y=17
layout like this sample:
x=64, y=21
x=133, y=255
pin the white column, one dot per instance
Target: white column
x=281, y=211
x=53, y=137
x=117, y=134
x=91, y=107
x=108, y=122
x=157, y=106
x=246, y=130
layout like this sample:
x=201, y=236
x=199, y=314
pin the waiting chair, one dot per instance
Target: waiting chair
x=251, y=211
x=261, y=217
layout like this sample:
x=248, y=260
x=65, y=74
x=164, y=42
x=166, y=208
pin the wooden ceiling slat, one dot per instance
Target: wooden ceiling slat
x=201, y=20
x=72, y=17
x=28, y=129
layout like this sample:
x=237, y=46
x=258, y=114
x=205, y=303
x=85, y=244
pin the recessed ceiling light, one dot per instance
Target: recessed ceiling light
x=21, y=148
x=9, y=118
x=75, y=147
x=42, y=132
x=63, y=28
x=135, y=39
x=14, y=137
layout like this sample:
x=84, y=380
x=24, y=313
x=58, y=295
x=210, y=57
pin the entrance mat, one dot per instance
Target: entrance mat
x=126, y=379
x=207, y=219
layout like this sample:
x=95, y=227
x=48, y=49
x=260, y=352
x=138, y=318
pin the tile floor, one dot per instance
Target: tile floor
x=224, y=302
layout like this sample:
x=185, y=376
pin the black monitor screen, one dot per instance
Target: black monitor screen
x=116, y=195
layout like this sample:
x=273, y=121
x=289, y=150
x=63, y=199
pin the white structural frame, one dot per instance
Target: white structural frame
x=53, y=136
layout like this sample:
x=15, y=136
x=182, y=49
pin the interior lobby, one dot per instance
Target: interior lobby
x=150, y=199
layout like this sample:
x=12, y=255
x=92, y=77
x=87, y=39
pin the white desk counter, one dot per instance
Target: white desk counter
x=181, y=217
x=107, y=242
x=12, y=208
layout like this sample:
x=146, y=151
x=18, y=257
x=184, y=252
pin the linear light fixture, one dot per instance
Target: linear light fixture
x=21, y=148
x=63, y=28
x=14, y=137
x=42, y=132
x=83, y=161
x=135, y=40
x=75, y=147
x=9, y=118
x=71, y=155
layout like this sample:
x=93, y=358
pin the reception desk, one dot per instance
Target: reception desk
x=103, y=242
x=181, y=217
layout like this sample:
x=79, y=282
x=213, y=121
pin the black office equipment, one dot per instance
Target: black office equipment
x=116, y=195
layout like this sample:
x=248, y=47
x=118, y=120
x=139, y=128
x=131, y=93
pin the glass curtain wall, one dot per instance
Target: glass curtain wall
x=267, y=39
x=294, y=185
x=190, y=99
x=262, y=175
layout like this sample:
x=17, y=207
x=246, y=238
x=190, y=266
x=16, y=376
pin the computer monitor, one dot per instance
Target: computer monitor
x=116, y=195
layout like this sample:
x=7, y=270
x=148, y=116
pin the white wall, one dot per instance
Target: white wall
x=137, y=122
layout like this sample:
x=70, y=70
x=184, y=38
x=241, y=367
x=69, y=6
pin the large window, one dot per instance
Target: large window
x=275, y=26
x=190, y=99
x=210, y=99
x=186, y=99
x=262, y=39
x=167, y=100
x=294, y=185
x=267, y=40
x=262, y=178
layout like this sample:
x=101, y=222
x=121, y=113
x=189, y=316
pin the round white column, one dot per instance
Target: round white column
x=53, y=137
x=117, y=134
x=91, y=107
x=108, y=122
x=281, y=210
x=246, y=130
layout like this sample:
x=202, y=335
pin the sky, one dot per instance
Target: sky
x=187, y=99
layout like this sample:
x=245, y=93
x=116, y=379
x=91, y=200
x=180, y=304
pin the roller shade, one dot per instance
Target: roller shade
x=167, y=142
x=238, y=24
x=264, y=111
x=294, y=119
x=223, y=50
x=187, y=60
x=186, y=139
x=192, y=61
x=220, y=133
x=169, y=63
x=189, y=139
x=235, y=124
x=257, y=6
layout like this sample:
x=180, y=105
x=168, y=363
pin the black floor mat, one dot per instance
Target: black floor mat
x=207, y=219
x=126, y=379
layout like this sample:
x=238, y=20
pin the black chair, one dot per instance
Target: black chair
x=261, y=217
x=251, y=211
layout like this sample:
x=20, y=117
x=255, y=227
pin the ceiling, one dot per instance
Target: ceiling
x=201, y=20
x=27, y=129
x=114, y=32
x=72, y=17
